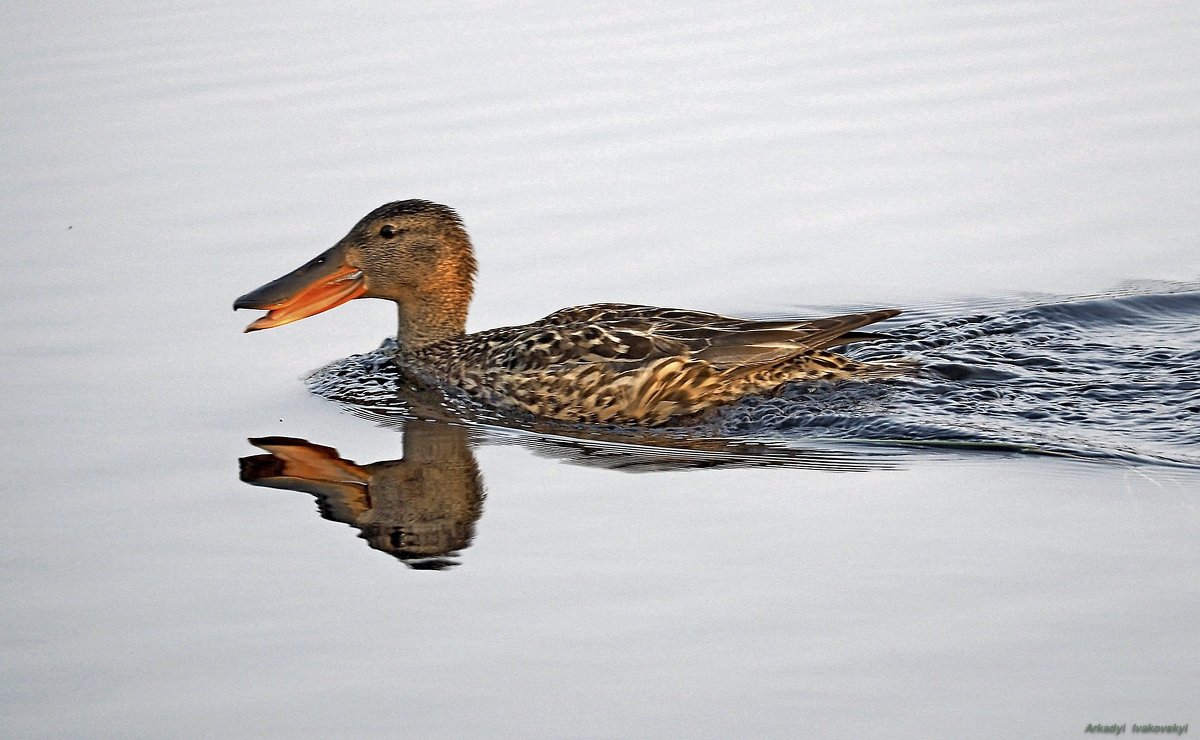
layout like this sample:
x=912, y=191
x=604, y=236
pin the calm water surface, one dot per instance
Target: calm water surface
x=1003, y=545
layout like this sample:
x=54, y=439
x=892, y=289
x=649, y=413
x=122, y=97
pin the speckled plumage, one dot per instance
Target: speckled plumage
x=602, y=363
x=619, y=363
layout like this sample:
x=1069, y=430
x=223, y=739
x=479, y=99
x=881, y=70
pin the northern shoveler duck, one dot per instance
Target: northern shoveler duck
x=603, y=363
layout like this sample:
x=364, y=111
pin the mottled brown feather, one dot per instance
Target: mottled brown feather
x=619, y=363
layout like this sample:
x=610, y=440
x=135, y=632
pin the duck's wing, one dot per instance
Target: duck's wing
x=626, y=335
x=748, y=342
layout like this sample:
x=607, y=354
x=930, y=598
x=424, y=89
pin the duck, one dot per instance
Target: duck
x=605, y=363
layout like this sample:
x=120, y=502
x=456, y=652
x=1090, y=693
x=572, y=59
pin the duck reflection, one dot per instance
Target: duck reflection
x=420, y=509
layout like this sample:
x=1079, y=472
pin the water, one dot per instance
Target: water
x=900, y=556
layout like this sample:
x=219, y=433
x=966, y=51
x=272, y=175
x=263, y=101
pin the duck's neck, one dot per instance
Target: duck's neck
x=428, y=319
x=437, y=310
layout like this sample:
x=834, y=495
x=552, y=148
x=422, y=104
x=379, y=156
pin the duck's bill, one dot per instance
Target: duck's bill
x=297, y=465
x=322, y=284
x=294, y=459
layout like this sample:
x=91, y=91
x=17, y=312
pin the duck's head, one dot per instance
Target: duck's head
x=413, y=252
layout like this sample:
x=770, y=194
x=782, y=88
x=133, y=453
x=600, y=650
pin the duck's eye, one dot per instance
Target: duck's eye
x=388, y=231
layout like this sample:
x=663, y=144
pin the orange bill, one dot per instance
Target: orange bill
x=342, y=487
x=318, y=286
x=298, y=458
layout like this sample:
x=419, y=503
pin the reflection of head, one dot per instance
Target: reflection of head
x=421, y=509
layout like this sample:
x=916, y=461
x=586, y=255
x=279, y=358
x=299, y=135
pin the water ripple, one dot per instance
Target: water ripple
x=1112, y=376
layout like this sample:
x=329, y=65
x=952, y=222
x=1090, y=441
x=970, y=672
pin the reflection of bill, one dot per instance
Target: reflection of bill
x=421, y=509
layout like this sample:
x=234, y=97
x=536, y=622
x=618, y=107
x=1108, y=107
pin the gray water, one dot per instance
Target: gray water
x=1003, y=545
